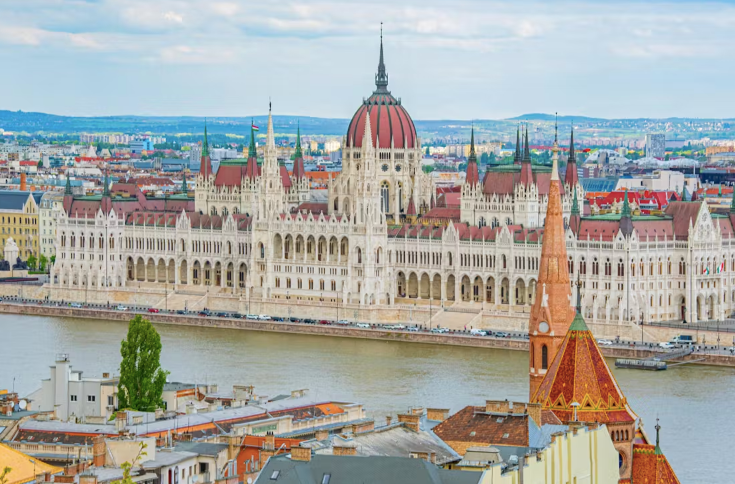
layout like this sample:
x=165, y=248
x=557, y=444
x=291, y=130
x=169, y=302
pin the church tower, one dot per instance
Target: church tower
x=552, y=312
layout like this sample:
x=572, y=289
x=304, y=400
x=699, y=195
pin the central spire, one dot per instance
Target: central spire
x=381, y=78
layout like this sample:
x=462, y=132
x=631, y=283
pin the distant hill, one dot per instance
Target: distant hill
x=551, y=117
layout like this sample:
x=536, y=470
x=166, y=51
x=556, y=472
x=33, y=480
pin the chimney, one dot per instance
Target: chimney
x=300, y=453
x=417, y=411
x=341, y=447
x=411, y=421
x=497, y=406
x=388, y=420
x=121, y=421
x=437, y=414
x=23, y=182
x=87, y=478
x=99, y=451
x=534, y=411
x=64, y=479
x=270, y=441
x=518, y=408
x=321, y=435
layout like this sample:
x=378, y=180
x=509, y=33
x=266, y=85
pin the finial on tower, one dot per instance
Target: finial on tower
x=579, y=294
x=556, y=127
x=658, y=430
x=381, y=78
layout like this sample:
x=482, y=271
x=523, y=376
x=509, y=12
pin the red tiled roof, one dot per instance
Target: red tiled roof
x=285, y=179
x=475, y=425
x=504, y=183
x=472, y=175
x=315, y=208
x=651, y=467
x=579, y=374
x=683, y=213
x=389, y=121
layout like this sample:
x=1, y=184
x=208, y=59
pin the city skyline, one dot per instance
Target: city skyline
x=477, y=60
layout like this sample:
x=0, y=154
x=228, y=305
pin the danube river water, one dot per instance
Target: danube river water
x=693, y=402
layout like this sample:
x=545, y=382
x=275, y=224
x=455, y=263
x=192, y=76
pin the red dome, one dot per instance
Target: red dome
x=388, y=118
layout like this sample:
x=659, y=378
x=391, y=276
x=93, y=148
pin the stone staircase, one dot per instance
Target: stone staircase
x=458, y=316
x=182, y=300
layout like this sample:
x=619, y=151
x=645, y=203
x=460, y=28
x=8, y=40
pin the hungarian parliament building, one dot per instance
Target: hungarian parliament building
x=251, y=229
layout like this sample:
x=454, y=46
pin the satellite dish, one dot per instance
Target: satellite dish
x=22, y=404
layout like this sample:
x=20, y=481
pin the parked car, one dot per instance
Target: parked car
x=222, y=315
x=153, y=310
x=236, y=315
x=439, y=330
x=605, y=342
x=501, y=334
x=251, y=316
x=180, y=311
x=264, y=317
x=478, y=332
x=343, y=322
x=683, y=339
x=324, y=321
x=120, y=307
x=205, y=313
x=363, y=325
x=413, y=329
x=75, y=305
x=294, y=320
x=277, y=318
x=666, y=346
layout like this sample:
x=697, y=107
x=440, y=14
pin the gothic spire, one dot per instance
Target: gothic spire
x=205, y=143
x=297, y=152
x=381, y=78
x=252, y=152
x=575, y=203
x=658, y=448
x=625, y=212
x=526, y=150
x=184, y=187
x=67, y=190
x=517, y=158
x=473, y=157
x=572, y=156
x=106, y=188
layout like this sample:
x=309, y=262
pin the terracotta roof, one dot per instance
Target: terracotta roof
x=504, y=182
x=315, y=208
x=443, y=213
x=682, y=213
x=472, y=175
x=651, y=466
x=389, y=122
x=579, y=374
x=232, y=174
x=474, y=425
x=285, y=179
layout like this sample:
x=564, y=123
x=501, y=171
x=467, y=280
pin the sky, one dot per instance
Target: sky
x=452, y=59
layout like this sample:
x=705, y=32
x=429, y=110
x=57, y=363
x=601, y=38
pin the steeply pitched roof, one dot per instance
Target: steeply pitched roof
x=474, y=424
x=651, y=466
x=579, y=374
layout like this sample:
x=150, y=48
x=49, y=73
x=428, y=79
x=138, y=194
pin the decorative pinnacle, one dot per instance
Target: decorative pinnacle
x=526, y=150
x=381, y=78
x=205, y=144
x=297, y=152
x=575, y=203
x=625, y=212
x=658, y=429
x=473, y=156
x=67, y=190
x=252, y=152
x=556, y=128
x=518, y=143
x=572, y=156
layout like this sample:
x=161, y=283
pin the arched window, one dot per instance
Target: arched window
x=385, y=197
x=544, y=357
x=482, y=222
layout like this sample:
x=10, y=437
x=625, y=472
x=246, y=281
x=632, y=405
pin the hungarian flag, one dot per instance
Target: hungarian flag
x=706, y=271
x=722, y=267
x=255, y=128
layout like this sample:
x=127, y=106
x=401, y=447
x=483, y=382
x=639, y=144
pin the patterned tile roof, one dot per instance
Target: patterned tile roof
x=474, y=425
x=579, y=374
x=650, y=466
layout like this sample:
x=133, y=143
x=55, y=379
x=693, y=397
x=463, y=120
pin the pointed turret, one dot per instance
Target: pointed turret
x=626, y=216
x=526, y=171
x=381, y=78
x=472, y=176
x=571, y=178
x=184, y=186
x=552, y=312
x=252, y=170
x=517, y=157
x=575, y=217
x=68, y=195
x=205, y=167
x=298, y=160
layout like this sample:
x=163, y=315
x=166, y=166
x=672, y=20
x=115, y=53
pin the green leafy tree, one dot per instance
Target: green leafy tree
x=484, y=159
x=42, y=262
x=427, y=168
x=427, y=151
x=53, y=259
x=127, y=467
x=4, y=475
x=141, y=375
x=32, y=261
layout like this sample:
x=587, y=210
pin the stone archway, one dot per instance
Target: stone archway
x=450, y=287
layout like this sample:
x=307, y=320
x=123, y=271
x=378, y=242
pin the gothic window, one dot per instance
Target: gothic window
x=508, y=221
x=608, y=267
x=385, y=196
x=336, y=203
x=482, y=222
x=384, y=167
x=400, y=197
x=213, y=211
x=495, y=222
x=544, y=357
x=595, y=267
x=224, y=211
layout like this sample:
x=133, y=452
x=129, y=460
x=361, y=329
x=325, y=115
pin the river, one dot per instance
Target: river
x=692, y=402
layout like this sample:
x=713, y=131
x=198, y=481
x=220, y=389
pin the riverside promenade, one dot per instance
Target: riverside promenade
x=515, y=342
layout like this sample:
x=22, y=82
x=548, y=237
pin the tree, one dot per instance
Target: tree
x=484, y=159
x=127, y=467
x=42, y=262
x=141, y=375
x=427, y=151
x=4, y=475
x=53, y=259
x=32, y=261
